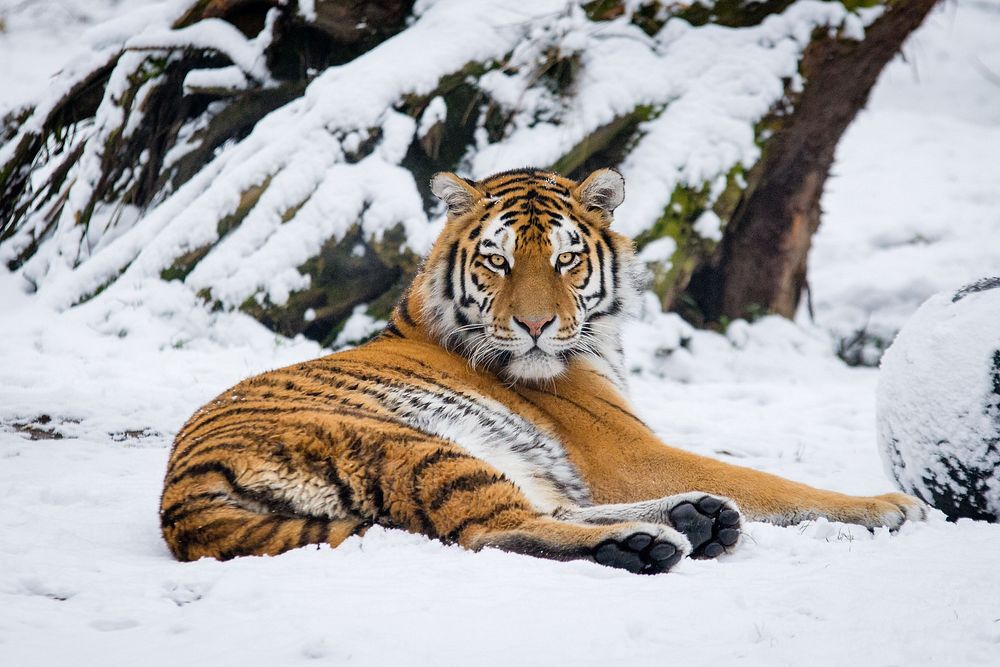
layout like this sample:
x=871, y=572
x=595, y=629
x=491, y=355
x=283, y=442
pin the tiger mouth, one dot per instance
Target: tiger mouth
x=531, y=365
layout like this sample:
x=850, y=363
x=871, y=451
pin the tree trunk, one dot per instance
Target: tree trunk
x=760, y=265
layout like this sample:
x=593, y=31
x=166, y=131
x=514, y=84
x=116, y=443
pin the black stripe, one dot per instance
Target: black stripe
x=371, y=458
x=279, y=380
x=204, y=536
x=450, y=282
x=511, y=175
x=602, y=291
x=461, y=274
x=555, y=188
x=589, y=274
x=620, y=409
x=330, y=472
x=232, y=441
x=437, y=456
x=404, y=310
x=177, y=512
x=228, y=412
x=376, y=474
x=437, y=380
x=311, y=531
x=392, y=331
x=245, y=549
x=469, y=482
x=271, y=503
x=544, y=201
x=274, y=524
x=508, y=188
x=614, y=259
x=494, y=512
x=238, y=432
x=521, y=390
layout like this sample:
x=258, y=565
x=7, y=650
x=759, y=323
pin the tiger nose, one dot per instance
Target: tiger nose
x=534, y=327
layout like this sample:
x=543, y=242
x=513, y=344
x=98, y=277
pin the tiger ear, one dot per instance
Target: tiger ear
x=459, y=194
x=604, y=189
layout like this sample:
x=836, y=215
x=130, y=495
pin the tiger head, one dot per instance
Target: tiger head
x=527, y=273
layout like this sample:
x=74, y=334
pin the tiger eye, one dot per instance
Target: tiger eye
x=566, y=258
x=498, y=261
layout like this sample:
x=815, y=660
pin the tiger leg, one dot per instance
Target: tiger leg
x=641, y=548
x=447, y=493
x=320, y=477
x=710, y=523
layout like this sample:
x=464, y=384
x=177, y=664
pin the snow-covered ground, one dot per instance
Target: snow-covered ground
x=915, y=207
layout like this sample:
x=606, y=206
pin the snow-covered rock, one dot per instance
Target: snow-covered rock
x=939, y=402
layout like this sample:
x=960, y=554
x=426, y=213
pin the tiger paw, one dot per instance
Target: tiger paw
x=889, y=509
x=642, y=550
x=711, y=524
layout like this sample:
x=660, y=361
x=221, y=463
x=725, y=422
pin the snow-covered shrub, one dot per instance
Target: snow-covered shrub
x=939, y=402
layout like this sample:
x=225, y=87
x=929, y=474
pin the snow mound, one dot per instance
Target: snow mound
x=939, y=403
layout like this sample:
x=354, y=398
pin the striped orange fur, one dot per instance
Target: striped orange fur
x=490, y=412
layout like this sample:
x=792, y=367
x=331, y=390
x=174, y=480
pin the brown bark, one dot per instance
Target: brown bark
x=761, y=263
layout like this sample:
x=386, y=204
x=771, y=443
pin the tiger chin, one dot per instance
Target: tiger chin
x=491, y=412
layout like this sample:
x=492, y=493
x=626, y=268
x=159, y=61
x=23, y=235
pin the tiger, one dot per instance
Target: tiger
x=491, y=412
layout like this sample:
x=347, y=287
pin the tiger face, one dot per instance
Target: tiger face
x=527, y=273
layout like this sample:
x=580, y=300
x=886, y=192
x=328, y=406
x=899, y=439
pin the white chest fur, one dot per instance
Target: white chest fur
x=530, y=457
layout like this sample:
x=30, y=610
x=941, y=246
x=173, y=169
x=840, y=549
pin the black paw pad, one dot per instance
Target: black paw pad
x=710, y=505
x=709, y=525
x=640, y=553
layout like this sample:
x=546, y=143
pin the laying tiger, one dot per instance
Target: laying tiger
x=491, y=412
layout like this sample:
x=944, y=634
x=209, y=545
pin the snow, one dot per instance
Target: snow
x=83, y=560
x=225, y=78
x=358, y=327
x=435, y=113
x=86, y=579
x=46, y=49
x=939, y=401
x=660, y=250
x=214, y=35
x=709, y=226
x=35, y=44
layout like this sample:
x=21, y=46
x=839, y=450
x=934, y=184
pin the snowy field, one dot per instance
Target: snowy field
x=90, y=399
